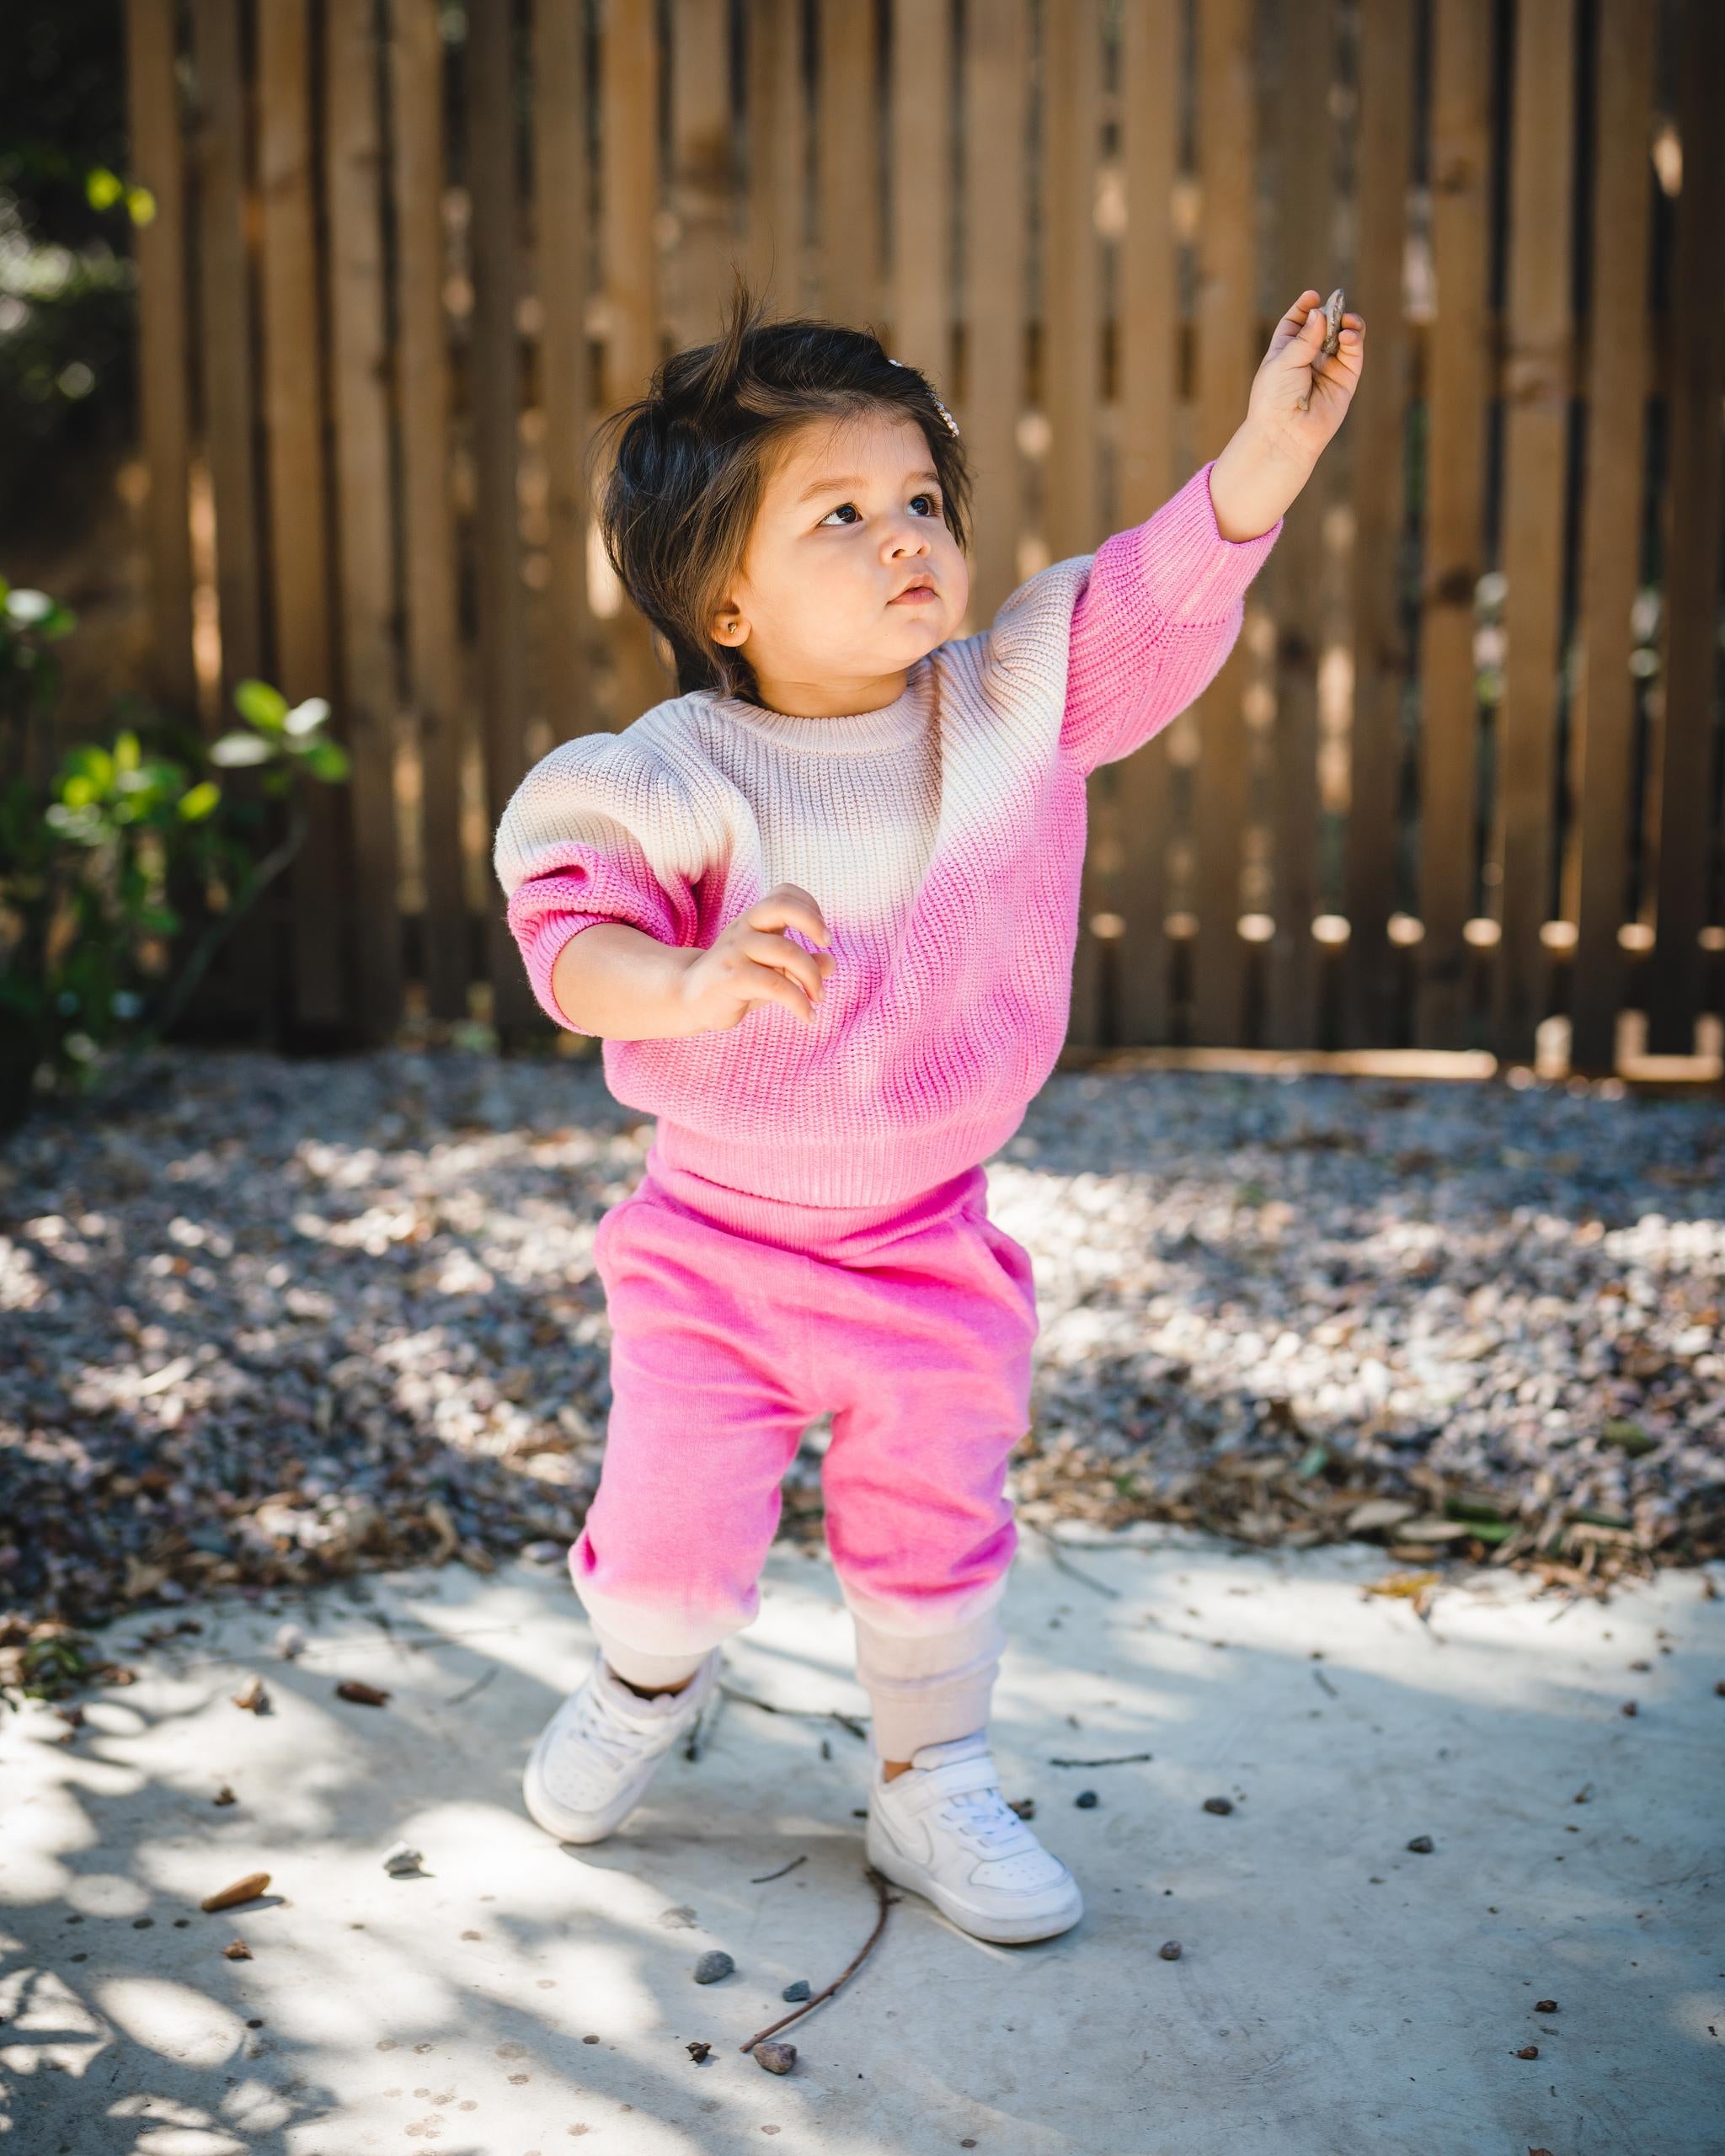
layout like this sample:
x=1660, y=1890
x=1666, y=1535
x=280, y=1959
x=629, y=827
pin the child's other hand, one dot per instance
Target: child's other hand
x=1274, y=449
x=748, y=962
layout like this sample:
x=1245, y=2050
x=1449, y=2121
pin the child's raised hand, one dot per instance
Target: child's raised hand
x=748, y=963
x=1300, y=397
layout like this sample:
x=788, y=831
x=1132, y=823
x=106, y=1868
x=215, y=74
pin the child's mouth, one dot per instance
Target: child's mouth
x=908, y=598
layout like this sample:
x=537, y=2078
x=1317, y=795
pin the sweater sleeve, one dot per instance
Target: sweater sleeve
x=598, y=831
x=1158, y=616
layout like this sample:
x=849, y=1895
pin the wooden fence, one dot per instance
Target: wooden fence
x=1457, y=786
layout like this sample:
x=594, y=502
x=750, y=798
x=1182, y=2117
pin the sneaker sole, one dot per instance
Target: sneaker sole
x=980, y=1924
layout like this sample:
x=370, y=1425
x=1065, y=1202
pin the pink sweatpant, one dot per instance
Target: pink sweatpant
x=737, y=1320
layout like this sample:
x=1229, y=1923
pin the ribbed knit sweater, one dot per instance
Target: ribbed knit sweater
x=942, y=836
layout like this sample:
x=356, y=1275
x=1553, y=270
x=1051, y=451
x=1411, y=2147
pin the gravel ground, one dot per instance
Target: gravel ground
x=265, y=1322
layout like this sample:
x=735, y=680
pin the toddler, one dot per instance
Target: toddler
x=821, y=906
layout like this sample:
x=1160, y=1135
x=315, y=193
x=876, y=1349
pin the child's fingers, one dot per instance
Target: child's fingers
x=778, y=954
x=788, y=906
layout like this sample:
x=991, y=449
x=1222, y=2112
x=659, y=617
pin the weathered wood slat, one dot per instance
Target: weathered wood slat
x=158, y=163
x=230, y=410
x=1542, y=176
x=995, y=89
x=703, y=189
x=302, y=659
x=428, y=538
x=563, y=263
x=921, y=302
x=1071, y=401
x=1294, y=579
x=1147, y=474
x=367, y=701
x=1603, y=710
x=847, y=162
x=1452, y=465
x=242, y=978
x=1376, y=465
x=778, y=125
x=1227, y=329
x=1690, y=675
x=630, y=62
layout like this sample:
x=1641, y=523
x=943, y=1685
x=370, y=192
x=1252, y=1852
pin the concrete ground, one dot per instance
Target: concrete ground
x=1337, y=1991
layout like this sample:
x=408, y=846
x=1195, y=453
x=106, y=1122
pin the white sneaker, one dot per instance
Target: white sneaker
x=943, y=1830
x=596, y=1755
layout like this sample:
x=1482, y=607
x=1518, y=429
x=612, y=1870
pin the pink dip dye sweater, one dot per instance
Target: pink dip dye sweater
x=942, y=836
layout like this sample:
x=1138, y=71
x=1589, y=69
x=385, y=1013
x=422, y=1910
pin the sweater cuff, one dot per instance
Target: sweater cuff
x=542, y=948
x=1190, y=574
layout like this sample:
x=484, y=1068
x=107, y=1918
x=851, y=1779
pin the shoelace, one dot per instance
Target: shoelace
x=984, y=1815
x=600, y=1722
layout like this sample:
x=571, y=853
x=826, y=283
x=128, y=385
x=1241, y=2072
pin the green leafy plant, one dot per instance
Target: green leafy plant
x=123, y=872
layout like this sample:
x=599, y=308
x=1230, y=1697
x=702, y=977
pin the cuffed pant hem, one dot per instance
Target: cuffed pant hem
x=647, y=1670
x=925, y=1688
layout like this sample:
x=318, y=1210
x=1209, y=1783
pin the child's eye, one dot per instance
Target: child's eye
x=933, y=501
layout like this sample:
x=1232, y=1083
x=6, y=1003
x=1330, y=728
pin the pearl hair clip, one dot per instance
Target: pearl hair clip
x=952, y=424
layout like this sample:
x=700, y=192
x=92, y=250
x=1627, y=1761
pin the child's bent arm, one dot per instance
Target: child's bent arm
x=616, y=981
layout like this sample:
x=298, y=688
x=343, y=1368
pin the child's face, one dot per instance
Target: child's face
x=851, y=515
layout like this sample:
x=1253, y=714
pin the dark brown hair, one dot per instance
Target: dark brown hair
x=679, y=498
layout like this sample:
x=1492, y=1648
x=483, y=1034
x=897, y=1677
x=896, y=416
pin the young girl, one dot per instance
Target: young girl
x=821, y=907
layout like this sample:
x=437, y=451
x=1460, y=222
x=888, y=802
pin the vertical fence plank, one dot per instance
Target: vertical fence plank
x=434, y=656
x=920, y=299
x=302, y=656
x=1070, y=400
x=702, y=168
x=359, y=360
x=995, y=89
x=629, y=189
x=1377, y=465
x=242, y=980
x=1537, y=401
x=847, y=164
x=778, y=149
x=1227, y=153
x=1453, y=480
x=1603, y=712
x=496, y=398
x=562, y=213
x=229, y=410
x=158, y=163
x=1148, y=373
x=1304, y=243
x=1675, y=970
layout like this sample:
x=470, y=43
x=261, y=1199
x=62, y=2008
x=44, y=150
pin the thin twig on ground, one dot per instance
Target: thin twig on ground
x=1124, y=1759
x=1064, y=1564
x=780, y=1873
x=886, y=1903
x=851, y=1722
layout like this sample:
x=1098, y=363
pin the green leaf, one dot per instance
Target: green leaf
x=141, y=204
x=327, y=760
x=103, y=188
x=1629, y=1437
x=264, y=708
x=127, y=753
x=234, y=749
x=1316, y=1459
x=198, y=803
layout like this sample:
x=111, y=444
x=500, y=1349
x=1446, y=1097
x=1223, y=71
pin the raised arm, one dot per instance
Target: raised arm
x=1165, y=599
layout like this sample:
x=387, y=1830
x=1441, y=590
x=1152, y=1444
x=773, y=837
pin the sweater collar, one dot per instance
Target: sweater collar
x=895, y=725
